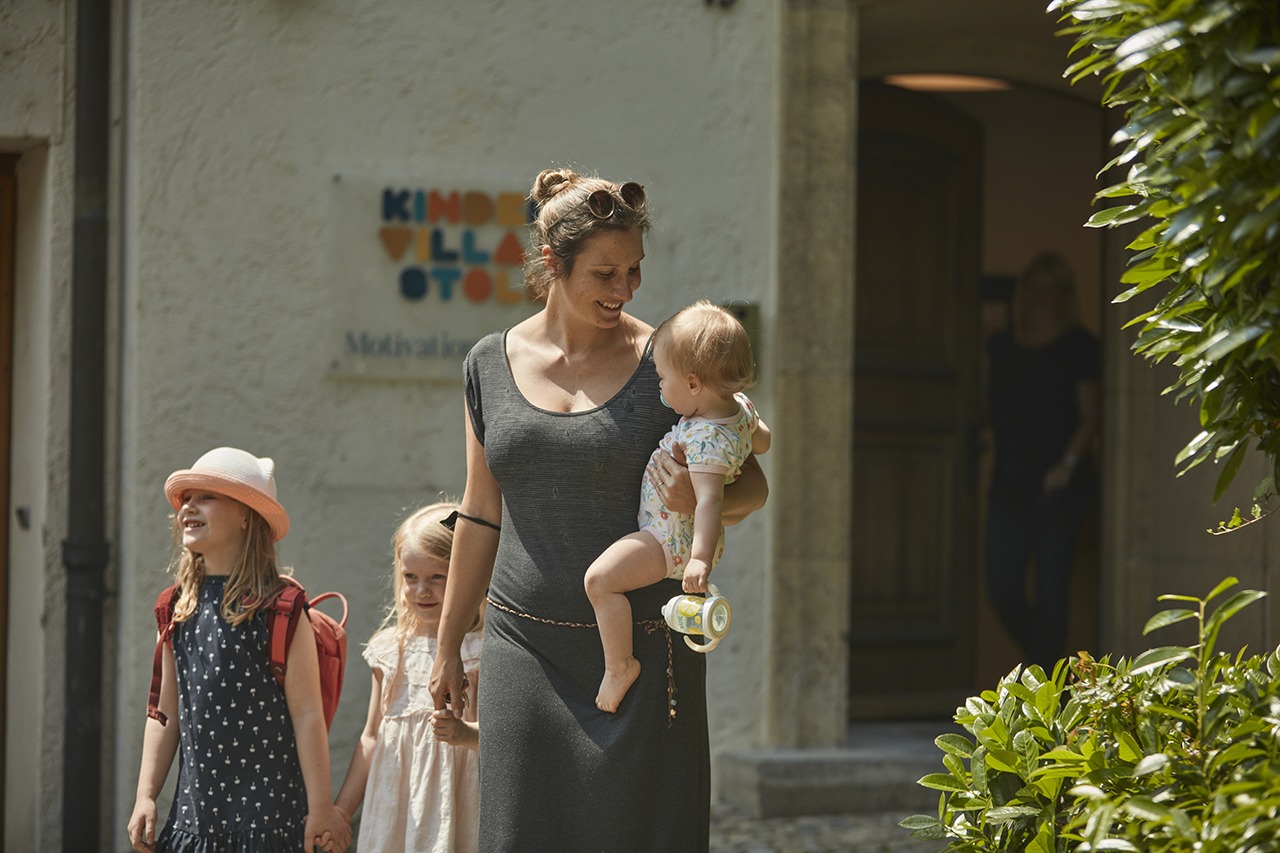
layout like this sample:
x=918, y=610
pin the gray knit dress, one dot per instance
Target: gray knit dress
x=556, y=773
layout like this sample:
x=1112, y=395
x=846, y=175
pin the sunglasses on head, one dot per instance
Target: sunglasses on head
x=602, y=204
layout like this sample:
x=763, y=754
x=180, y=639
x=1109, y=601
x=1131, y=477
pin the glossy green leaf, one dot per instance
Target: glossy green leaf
x=1223, y=585
x=1062, y=753
x=1114, y=216
x=955, y=744
x=1090, y=792
x=1167, y=617
x=1165, y=710
x=1231, y=607
x=1154, y=658
x=943, y=782
x=1044, y=841
x=1002, y=759
x=1006, y=813
x=1128, y=747
x=1229, y=470
x=1151, y=764
x=924, y=827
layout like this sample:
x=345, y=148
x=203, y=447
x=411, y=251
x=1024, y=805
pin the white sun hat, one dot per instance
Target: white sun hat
x=237, y=474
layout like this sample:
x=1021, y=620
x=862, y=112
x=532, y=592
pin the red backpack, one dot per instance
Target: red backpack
x=282, y=621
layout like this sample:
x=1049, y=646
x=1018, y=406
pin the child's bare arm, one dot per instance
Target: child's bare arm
x=302, y=693
x=707, y=527
x=159, y=744
x=760, y=438
x=352, y=792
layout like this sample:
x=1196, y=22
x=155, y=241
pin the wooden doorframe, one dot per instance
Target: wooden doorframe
x=8, y=261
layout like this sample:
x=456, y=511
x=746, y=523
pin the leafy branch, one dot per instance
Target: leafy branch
x=1202, y=146
x=1174, y=751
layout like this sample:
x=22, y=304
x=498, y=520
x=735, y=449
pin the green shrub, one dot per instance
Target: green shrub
x=1176, y=750
x=1202, y=143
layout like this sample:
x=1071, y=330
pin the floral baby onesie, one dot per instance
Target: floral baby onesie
x=716, y=446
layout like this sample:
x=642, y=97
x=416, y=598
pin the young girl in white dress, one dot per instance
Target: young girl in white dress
x=416, y=768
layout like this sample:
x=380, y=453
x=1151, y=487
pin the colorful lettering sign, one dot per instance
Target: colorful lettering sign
x=421, y=270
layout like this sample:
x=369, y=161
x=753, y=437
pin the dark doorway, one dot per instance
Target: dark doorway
x=923, y=634
x=916, y=400
x=1042, y=151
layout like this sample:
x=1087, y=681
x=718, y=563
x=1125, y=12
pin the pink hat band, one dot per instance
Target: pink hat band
x=236, y=474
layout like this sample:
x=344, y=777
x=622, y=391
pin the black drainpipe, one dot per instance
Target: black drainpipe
x=84, y=553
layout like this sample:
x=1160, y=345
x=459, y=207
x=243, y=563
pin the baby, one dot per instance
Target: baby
x=703, y=359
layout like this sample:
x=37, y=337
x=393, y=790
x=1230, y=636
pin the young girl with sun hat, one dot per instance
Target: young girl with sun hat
x=253, y=759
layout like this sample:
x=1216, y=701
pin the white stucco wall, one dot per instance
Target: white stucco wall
x=238, y=116
x=34, y=119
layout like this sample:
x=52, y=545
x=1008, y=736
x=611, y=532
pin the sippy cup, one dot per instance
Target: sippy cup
x=694, y=614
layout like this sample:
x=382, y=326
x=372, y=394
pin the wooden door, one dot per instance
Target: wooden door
x=916, y=403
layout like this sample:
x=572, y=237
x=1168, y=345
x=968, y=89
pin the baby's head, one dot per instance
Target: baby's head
x=421, y=547
x=710, y=343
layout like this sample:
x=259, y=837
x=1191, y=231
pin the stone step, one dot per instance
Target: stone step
x=876, y=771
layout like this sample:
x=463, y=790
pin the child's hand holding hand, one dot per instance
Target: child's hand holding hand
x=696, y=575
x=328, y=828
x=142, y=826
x=453, y=730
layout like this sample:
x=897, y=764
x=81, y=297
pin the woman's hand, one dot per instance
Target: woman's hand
x=1057, y=477
x=448, y=684
x=142, y=826
x=672, y=482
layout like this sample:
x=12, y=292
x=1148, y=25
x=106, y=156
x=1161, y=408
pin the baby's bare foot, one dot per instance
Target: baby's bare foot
x=615, y=685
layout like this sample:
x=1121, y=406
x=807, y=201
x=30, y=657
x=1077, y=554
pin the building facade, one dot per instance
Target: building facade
x=309, y=214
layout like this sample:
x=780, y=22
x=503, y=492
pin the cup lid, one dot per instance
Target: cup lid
x=716, y=619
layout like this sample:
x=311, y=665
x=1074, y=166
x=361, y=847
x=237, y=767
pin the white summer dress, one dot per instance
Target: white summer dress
x=422, y=795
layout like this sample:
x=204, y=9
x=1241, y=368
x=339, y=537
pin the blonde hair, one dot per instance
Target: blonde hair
x=564, y=224
x=254, y=579
x=710, y=343
x=1053, y=269
x=422, y=532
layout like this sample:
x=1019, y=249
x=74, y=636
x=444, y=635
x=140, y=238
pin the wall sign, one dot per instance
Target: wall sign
x=419, y=271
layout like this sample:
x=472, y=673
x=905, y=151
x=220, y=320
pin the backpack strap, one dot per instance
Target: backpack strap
x=164, y=626
x=282, y=622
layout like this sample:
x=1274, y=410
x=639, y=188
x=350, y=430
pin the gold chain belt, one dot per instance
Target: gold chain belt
x=649, y=625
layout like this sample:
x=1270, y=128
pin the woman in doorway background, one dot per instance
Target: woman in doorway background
x=1043, y=396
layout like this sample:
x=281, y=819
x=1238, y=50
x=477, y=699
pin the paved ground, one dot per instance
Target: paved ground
x=731, y=832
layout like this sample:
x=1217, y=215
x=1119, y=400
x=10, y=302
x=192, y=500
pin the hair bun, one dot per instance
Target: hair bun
x=552, y=182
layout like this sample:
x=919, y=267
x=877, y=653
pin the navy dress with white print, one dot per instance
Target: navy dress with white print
x=240, y=786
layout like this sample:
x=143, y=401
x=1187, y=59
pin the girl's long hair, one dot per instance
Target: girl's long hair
x=421, y=532
x=253, y=581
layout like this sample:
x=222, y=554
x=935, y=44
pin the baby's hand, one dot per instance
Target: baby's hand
x=695, y=576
